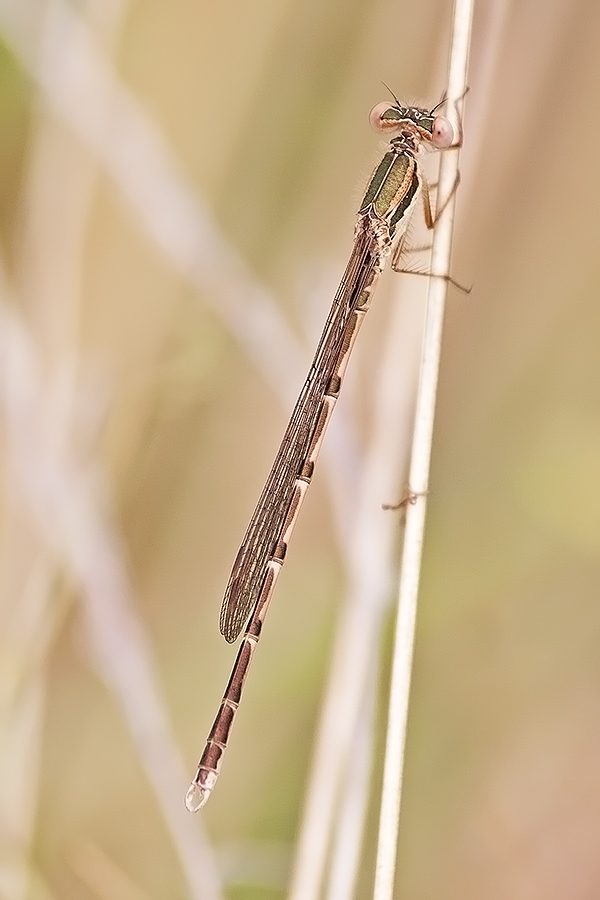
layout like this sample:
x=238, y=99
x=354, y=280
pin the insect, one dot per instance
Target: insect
x=380, y=232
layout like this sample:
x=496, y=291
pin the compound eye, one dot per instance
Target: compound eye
x=384, y=117
x=442, y=133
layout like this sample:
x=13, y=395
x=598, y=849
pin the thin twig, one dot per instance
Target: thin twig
x=419, y=479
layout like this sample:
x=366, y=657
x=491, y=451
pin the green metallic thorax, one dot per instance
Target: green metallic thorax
x=392, y=188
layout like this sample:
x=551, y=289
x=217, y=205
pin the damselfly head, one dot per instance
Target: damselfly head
x=388, y=118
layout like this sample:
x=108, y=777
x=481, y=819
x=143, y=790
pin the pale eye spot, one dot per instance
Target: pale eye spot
x=378, y=119
x=442, y=133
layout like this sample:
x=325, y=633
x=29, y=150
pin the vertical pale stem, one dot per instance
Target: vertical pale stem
x=419, y=478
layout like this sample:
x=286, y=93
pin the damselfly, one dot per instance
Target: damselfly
x=380, y=231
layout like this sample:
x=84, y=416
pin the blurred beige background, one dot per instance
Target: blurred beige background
x=139, y=419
